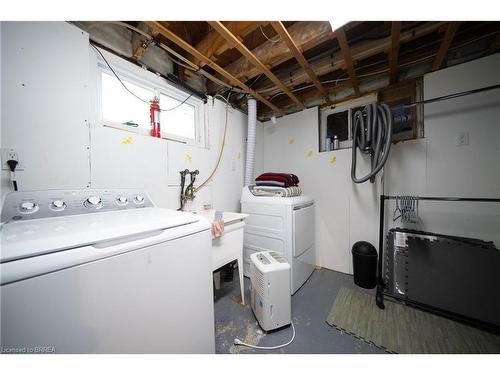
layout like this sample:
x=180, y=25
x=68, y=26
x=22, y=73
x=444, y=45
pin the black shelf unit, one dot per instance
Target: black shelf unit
x=381, y=291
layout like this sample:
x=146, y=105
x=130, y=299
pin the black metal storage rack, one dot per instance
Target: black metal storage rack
x=381, y=287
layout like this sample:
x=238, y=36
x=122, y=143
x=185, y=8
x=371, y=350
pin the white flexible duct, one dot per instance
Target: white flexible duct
x=250, y=161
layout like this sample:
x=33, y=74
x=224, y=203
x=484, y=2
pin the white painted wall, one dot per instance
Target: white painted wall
x=45, y=102
x=53, y=121
x=436, y=166
x=346, y=212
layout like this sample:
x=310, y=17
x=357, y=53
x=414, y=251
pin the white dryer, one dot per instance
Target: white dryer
x=285, y=225
x=103, y=271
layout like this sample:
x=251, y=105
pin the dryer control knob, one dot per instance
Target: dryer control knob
x=139, y=199
x=93, y=202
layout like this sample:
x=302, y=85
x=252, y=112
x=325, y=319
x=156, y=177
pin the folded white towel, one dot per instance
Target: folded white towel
x=275, y=191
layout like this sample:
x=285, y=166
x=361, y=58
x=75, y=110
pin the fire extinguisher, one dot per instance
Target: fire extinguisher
x=154, y=114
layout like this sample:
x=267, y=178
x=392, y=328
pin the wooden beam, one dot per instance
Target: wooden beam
x=194, y=52
x=394, y=51
x=346, y=53
x=214, y=45
x=332, y=61
x=451, y=30
x=294, y=49
x=306, y=35
x=217, y=25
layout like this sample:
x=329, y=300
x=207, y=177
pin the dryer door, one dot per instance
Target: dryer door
x=303, y=229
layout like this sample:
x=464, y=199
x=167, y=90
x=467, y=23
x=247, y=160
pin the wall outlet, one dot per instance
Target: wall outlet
x=11, y=154
x=462, y=139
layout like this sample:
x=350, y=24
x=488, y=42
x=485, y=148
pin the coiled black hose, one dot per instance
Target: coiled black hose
x=372, y=136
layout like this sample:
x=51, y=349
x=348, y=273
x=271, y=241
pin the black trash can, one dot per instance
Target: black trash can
x=364, y=261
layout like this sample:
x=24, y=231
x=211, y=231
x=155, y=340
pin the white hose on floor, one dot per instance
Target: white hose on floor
x=237, y=341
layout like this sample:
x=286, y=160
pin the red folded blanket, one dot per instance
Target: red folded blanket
x=287, y=179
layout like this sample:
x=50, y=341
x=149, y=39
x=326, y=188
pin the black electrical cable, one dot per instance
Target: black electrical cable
x=178, y=105
x=126, y=88
x=12, y=166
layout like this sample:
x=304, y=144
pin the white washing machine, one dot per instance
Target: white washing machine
x=103, y=271
x=285, y=225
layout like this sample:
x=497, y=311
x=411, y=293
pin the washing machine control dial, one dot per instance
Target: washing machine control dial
x=28, y=207
x=139, y=199
x=121, y=200
x=93, y=202
x=58, y=205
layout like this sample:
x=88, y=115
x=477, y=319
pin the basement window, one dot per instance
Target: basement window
x=408, y=123
x=119, y=106
x=180, y=119
x=337, y=121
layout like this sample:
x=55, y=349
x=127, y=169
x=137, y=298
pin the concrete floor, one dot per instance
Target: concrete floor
x=310, y=307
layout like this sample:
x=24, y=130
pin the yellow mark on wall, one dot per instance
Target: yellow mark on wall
x=238, y=156
x=292, y=141
x=127, y=141
x=333, y=160
x=310, y=153
x=189, y=158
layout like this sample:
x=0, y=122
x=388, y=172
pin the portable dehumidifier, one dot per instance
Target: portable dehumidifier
x=270, y=289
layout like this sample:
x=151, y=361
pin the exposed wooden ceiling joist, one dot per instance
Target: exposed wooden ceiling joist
x=451, y=30
x=163, y=30
x=232, y=39
x=214, y=44
x=294, y=49
x=405, y=60
x=346, y=53
x=306, y=35
x=394, y=51
x=360, y=51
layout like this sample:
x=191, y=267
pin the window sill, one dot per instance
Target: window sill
x=337, y=149
x=145, y=132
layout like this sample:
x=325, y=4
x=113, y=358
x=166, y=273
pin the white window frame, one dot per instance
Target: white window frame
x=143, y=78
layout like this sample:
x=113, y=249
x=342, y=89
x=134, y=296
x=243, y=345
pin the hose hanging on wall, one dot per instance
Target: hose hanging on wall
x=372, y=136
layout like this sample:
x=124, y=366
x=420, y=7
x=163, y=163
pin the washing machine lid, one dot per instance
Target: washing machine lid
x=42, y=236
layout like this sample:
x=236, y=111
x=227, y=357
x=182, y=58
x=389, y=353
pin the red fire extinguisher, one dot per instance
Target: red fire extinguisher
x=154, y=114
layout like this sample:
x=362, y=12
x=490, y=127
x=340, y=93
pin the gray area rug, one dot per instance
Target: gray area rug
x=403, y=329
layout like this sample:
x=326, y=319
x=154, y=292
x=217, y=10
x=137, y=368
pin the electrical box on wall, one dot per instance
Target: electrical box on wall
x=11, y=154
